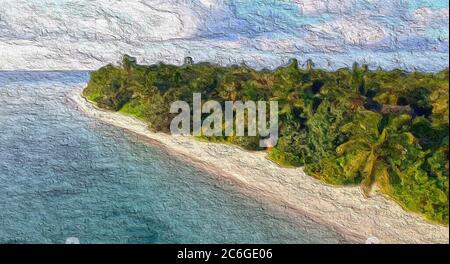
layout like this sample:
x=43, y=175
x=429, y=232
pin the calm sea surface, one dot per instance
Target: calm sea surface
x=63, y=175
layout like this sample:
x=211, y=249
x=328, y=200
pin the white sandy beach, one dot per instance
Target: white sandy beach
x=344, y=209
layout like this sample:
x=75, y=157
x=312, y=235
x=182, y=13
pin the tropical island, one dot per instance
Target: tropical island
x=386, y=131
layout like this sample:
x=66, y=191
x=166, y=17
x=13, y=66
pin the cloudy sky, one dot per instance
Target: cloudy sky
x=86, y=34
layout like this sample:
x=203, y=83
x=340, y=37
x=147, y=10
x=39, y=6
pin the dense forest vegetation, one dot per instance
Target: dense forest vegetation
x=384, y=130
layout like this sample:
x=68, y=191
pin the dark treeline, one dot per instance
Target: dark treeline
x=384, y=130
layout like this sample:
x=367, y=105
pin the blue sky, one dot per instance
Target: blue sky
x=54, y=34
x=410, y=22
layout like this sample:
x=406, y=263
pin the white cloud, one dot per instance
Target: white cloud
x=132, y=20
x=211, y=3
x=427, y=16
x=357, y=31
x=284, y=45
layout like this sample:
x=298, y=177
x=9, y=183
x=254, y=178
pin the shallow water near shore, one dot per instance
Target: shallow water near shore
x=63, y=175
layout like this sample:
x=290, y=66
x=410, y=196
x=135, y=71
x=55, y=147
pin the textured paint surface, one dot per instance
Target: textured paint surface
x=67, y=34
x=63, y=175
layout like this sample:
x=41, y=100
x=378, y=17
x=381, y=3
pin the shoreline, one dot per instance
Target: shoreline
x=342, y=209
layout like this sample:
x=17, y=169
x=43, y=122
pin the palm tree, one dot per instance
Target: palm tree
x=128, y=63
x=309, y=65
x=367, y=150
